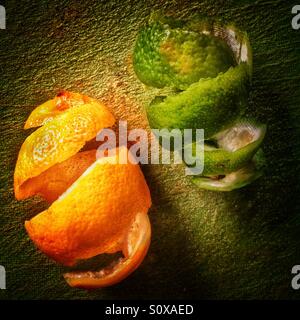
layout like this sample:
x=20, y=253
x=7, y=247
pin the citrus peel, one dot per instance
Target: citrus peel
x=47, y=111
x=205, y=69
x=98, y=205
x=93, y=215
x=58, y=140
x=51, y=183
x=134, y=250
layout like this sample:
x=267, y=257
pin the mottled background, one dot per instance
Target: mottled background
x=205, y=245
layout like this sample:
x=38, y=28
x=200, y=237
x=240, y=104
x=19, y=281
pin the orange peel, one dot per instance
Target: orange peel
x=93, y=216
x=47, y=111
x=58, y=140
x=135, y=249
x=51, y=183
x=98, y=206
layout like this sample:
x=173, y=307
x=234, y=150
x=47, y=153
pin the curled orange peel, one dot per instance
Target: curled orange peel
x=50, y=184
x=98, y=205
x=47, y=111
x=135, y=249
x=59, y=139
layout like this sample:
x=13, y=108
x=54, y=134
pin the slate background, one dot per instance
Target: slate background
x=206, y=245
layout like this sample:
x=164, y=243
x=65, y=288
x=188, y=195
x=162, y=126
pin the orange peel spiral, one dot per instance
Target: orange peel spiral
x=97, y=205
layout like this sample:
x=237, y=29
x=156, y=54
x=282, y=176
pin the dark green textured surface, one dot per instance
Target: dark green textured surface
x=241, y=244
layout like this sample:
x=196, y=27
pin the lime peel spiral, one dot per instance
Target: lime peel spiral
x=208, y=67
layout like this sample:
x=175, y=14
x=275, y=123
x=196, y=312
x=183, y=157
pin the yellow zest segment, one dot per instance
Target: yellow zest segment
x=58, y=140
